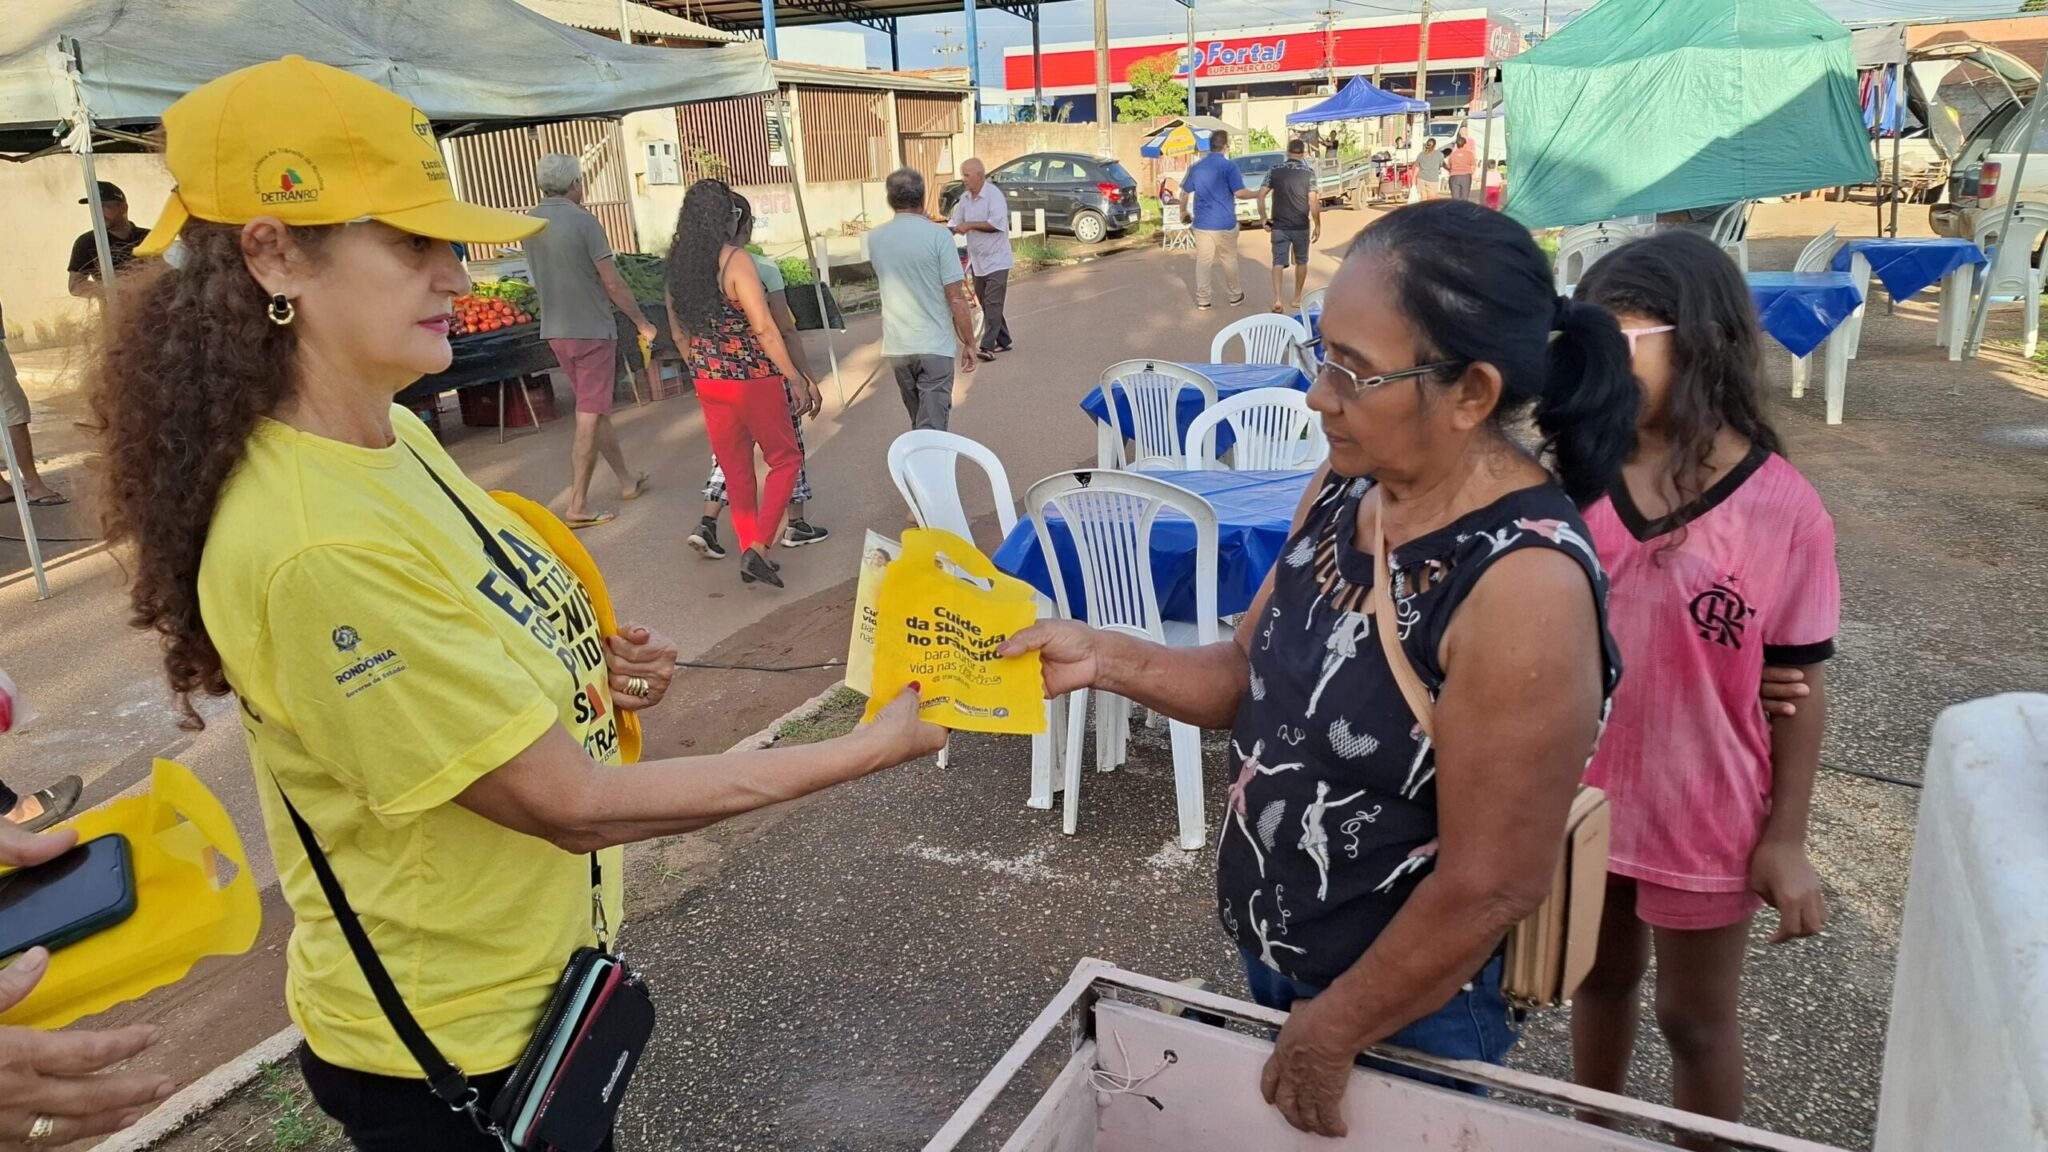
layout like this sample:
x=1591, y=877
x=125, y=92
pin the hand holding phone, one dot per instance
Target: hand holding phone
x=65, y=899
x=60, y=1074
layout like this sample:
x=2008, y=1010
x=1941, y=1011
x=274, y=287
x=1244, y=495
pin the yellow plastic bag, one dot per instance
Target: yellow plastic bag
x=938, y=626
x=179, y=836
x=875, y=556
x=576, y=558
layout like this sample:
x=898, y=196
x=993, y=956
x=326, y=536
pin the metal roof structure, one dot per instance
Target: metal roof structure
x=761, y=17
x=648, y=22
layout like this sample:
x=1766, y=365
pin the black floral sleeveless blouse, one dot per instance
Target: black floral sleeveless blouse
x=1330, y=819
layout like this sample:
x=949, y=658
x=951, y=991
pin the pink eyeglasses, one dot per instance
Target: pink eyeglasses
x=1635, y=333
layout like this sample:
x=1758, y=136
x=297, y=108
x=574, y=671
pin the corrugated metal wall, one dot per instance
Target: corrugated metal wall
x=733, y=130
x=922, y=114
x=496, y=168
x=846, y=134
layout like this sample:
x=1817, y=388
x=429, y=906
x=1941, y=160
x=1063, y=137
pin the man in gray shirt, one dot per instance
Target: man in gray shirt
x=927, y=327
x=579, y=285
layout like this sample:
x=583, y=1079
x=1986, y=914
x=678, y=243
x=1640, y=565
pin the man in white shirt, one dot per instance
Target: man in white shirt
x=983, y=216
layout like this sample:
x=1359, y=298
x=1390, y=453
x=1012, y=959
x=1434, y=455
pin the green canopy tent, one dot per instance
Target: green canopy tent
x=1644, y=106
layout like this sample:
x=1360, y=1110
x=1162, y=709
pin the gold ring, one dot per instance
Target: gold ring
x=635, y=686
x=40, y=1128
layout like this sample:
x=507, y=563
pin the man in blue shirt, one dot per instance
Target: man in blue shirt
x=1209, y=188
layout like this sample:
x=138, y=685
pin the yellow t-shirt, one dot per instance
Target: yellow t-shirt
x=383, y=664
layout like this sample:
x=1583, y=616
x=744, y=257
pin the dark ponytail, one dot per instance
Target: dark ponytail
x=1479, y=290
x=1588, y=409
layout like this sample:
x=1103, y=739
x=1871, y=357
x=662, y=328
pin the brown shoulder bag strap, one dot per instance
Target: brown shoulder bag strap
x=1389, y=628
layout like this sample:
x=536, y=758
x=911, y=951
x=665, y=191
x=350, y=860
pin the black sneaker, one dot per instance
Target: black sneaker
x=705, y=540
x=755, y=568
x=56, y=802
x=800, y=533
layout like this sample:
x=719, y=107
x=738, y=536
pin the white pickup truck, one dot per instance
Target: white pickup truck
x=1973, y=98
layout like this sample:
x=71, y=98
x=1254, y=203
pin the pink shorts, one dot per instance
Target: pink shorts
x=1676, y=908
x=589, y=364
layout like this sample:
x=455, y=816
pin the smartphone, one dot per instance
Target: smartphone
x=62, y=901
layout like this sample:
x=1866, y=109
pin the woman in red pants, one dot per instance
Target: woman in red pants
x=721, y=319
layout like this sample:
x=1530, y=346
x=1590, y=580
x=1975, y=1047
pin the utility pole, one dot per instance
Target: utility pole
x=1191, y=55
x=1546, y=19
x=1330, y=45
x=1103, y=111
x=1422, y=59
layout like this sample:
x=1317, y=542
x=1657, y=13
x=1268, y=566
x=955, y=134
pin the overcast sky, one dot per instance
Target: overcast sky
x=1073, y=20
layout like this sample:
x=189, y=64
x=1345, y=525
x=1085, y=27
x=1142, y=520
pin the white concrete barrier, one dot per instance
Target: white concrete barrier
x=1966, y=1062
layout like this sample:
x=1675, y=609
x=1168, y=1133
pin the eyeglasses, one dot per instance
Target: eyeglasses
x=1360, y=385
x=1635, y=333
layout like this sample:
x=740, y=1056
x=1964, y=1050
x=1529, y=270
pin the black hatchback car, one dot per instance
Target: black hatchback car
x=1085, y=195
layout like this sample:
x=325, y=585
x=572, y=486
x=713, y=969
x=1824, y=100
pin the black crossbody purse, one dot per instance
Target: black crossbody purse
x=565, y=1091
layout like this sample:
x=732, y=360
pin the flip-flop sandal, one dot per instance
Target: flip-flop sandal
x=53, y=500
x=594, y=521
x=985, y=357
x=1279, y=311
x=639, y=487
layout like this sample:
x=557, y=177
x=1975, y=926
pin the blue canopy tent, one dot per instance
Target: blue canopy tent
x=1358, y=100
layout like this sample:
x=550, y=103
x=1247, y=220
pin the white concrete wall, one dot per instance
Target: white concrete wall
x=1966, y=1061
x=42, y=217
x=654, y=205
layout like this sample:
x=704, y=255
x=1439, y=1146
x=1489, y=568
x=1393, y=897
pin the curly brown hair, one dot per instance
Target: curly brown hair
x=191, y=364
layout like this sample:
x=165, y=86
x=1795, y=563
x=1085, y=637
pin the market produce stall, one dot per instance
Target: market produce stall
x=496, y=339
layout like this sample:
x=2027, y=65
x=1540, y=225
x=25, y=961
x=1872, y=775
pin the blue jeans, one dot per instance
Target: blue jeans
x=1473, y=1026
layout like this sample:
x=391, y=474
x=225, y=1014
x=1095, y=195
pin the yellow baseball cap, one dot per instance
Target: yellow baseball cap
x=311, y=144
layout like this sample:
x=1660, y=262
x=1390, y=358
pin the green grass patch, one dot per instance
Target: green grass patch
x=839, y=714
x=295, y=1123
x=1043, y=250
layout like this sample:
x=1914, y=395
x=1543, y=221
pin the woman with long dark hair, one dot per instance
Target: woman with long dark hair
x=1723, y=560
x=1368, y=870
x=723, y=325
x=422, y=681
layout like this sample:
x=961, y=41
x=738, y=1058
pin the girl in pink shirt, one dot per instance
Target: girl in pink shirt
x=1722, y=560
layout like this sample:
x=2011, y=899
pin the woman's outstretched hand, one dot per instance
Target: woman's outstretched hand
x=1069, y=652
x=897, y=732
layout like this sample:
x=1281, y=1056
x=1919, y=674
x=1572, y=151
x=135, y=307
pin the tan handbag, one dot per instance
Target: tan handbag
x=1550, y=952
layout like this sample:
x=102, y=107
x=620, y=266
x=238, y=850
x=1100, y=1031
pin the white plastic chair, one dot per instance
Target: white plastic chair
x=924, y=465
x=1151, y=390
x=1312, y=300
x=1268, y=339
x=1275, y=431
x=1580, y=248
x=1110, y=516
x=1814, y=258
x=2011, y=274
x=1731, y=232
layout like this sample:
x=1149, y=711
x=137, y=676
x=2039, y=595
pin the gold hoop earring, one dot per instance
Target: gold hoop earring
x=281, y=312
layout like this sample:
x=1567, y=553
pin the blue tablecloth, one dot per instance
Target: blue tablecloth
x=1800, y=309
x=1230, y=379
x=1907, y=266
x=1253, y=513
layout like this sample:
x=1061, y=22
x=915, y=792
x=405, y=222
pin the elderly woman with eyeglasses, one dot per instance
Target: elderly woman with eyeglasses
x=1367, y=872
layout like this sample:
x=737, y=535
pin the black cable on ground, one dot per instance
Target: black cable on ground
x=1878, y=776
x=41, y=539
x=760, y=667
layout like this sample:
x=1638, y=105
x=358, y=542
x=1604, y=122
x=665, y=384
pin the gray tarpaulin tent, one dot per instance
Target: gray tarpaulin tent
x=80, y=75
x=458, y=60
